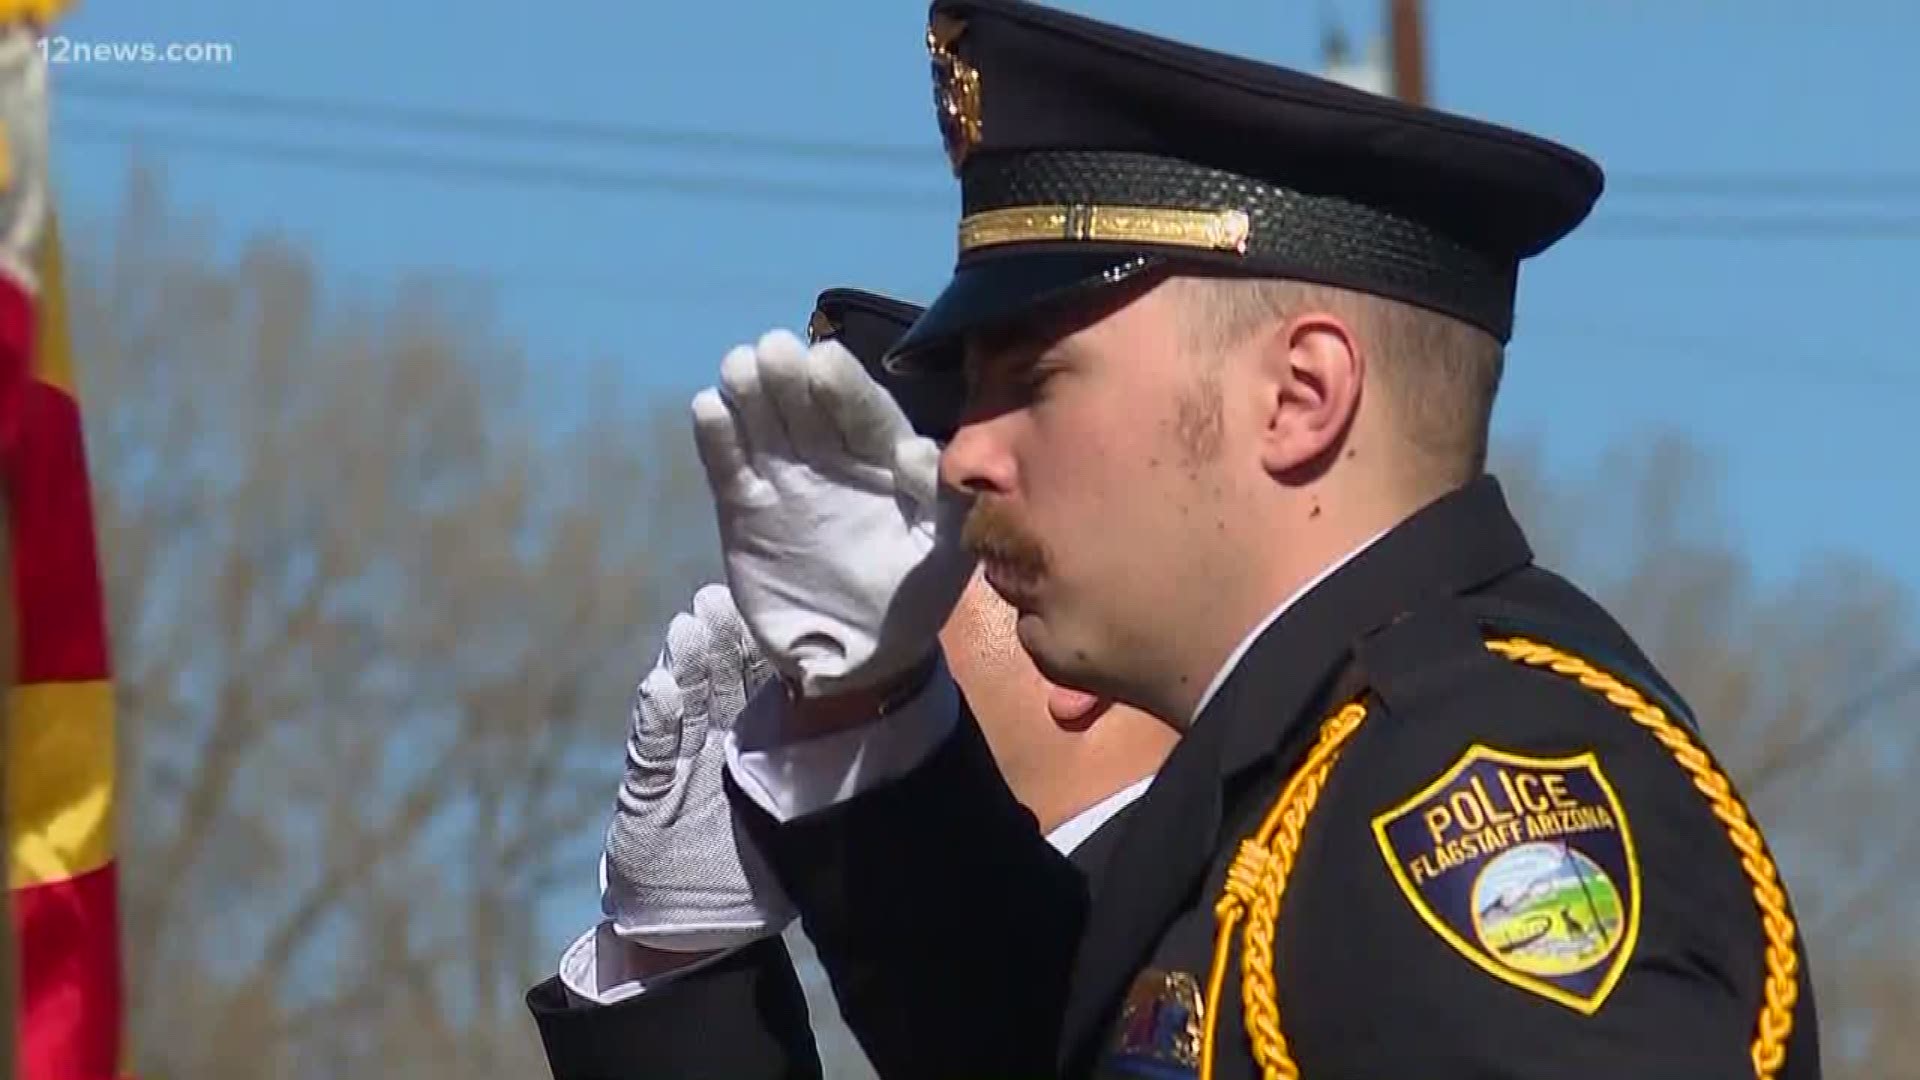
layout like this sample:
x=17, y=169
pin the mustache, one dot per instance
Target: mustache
x=993, y=535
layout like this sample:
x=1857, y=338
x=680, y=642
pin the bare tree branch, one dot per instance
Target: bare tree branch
x=372, y=629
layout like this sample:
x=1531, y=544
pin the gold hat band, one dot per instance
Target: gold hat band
x=1213, y=230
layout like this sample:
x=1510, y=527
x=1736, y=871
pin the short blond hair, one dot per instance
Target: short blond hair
x=1440, y=375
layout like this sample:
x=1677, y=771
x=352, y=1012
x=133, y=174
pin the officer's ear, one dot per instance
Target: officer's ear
x=1311, y=370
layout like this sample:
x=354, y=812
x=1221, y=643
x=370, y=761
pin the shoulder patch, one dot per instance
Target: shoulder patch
x=1525, y=866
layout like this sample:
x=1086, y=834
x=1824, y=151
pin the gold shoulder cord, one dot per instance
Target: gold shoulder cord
x=1258, y=877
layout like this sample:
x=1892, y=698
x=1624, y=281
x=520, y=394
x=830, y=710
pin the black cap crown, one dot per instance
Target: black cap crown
x=1088, y=154
x=869, y=325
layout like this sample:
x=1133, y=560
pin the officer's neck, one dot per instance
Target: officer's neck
x=1322, y=531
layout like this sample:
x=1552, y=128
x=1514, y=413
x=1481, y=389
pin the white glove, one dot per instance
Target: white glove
x=842, y=548
x=677, y=874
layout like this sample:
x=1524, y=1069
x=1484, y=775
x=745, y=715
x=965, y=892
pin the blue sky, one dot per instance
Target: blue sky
x=1786, y=352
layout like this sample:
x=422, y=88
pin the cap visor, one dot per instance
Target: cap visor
x=996, y=290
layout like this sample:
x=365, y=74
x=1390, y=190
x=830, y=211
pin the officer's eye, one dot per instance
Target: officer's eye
x=1034, y=377
x=997, y=369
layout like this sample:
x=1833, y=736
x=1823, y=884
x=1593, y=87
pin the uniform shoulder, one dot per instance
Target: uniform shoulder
x=1529, y=743
x=1434, y=685
x=1532, y=845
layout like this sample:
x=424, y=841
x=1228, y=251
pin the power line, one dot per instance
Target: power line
x=472, y=170
x=1778, y=363
x=1772, y=185
x=629, y=287
x=554, y=130
x=1782, y=225
x=496, y=126
x=466, y=170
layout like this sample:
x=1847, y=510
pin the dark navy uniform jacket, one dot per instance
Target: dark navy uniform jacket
x=744, y=1017
x=1443, y=820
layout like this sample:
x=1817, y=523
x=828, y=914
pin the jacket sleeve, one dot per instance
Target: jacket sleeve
x=944, y=919
x=744, y=1018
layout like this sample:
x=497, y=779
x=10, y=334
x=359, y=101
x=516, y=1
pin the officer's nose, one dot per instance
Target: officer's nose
x=977, y=459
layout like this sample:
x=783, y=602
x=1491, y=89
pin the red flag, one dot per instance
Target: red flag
x=59, y=752
x=59, y=727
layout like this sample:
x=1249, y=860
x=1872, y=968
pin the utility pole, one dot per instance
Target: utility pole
x=1395, y=62
x=1407, y=32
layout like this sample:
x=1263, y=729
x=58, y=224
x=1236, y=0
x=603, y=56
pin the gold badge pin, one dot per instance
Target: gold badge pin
x=1160, y=1025
x=956, y=90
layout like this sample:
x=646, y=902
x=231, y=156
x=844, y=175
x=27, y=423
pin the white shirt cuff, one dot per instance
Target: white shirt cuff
x=603, y=968
x=791, y=780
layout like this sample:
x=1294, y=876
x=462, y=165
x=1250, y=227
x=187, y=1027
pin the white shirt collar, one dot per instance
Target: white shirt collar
x=1240, y=651
x=1074, y=831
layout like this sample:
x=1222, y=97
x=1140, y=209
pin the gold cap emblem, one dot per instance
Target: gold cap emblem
x=956, y=89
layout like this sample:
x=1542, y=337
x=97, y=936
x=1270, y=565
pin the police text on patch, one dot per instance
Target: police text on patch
x=1477, y=818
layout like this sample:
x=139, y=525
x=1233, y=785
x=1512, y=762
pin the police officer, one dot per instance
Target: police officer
x=1231, y=337
x=688, y=976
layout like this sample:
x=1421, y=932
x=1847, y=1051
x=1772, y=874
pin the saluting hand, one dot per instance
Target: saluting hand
x=677, y=874
x=840, y=543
